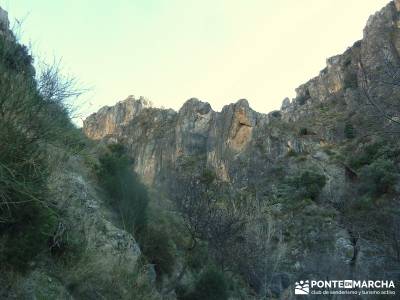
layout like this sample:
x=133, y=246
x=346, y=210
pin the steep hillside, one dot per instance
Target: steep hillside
x=312, y=189
x=58, y=237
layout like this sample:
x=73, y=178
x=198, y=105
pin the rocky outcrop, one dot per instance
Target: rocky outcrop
x=344, y=76
x=5, y=25
x=4, y=22
x=166, y=136
x=109, y=119
x=102, y=260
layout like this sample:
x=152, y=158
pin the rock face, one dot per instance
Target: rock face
x=101, y=247
x=108, y=119
x=4, y=23
x=167, y=136
x=159, y=138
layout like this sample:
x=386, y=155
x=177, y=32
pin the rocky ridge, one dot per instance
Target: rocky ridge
x=158, y=138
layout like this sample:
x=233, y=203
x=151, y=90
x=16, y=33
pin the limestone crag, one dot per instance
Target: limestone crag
x=159, y=138
x=344, y=74
x=108, y=119
x=166, y=136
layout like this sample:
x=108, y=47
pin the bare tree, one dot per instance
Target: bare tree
x=207, y=218
x=380, y=87
x=55, y=87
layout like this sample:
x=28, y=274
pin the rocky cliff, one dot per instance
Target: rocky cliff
x=159, y=138
x=166, y=136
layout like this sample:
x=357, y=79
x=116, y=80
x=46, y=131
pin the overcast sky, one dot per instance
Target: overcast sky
x=171, y=50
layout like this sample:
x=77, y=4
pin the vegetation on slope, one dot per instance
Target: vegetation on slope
x=43, y=239
x=126, y=194
x=32, y=120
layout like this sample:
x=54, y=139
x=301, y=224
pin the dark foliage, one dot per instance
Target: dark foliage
x=29, y=123
x=127, y=194
x=158, y=248
x=349, y=131
x=306, y=185
x=303, y=131
x=377, y=178
x=211, y=285
x=26, y=235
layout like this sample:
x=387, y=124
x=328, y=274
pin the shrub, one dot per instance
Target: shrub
x=208, y=176
x=29, y=122
x=307, y=224
x=27, y=235
x=303, y=131
x=307, y=185
x=211, y=285
x=371, y=152
x=26, y=221
x=126, y=193
x=158, y=248
x=349, y=131
x=378, y=177
x=276, y=114
x=15, y=57
x=198, y=257
x=301, y=100
x=37, y=106
x=291, y=153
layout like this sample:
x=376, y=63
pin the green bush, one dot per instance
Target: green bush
x=198, y=257
x=27, y=235
x=276, y=114
x=158, y=248
x=15, y=57
x=126, y=193
x=349, y=132
x=37, y=106
x=360, y=205
x=303, y=131
x=304, y=217
x=130, y=198
x=292, y=153
x=211, y=285
x=29, y=123
x=378, y=177
x=26, y=221
x=301, y=100
x=371, y=152
x=306, y=185
x=208, y=176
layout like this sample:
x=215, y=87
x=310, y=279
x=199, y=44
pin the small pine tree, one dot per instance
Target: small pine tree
x=349, y=132
x=211, y=285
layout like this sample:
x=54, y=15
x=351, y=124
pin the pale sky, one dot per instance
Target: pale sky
x=171, y=50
